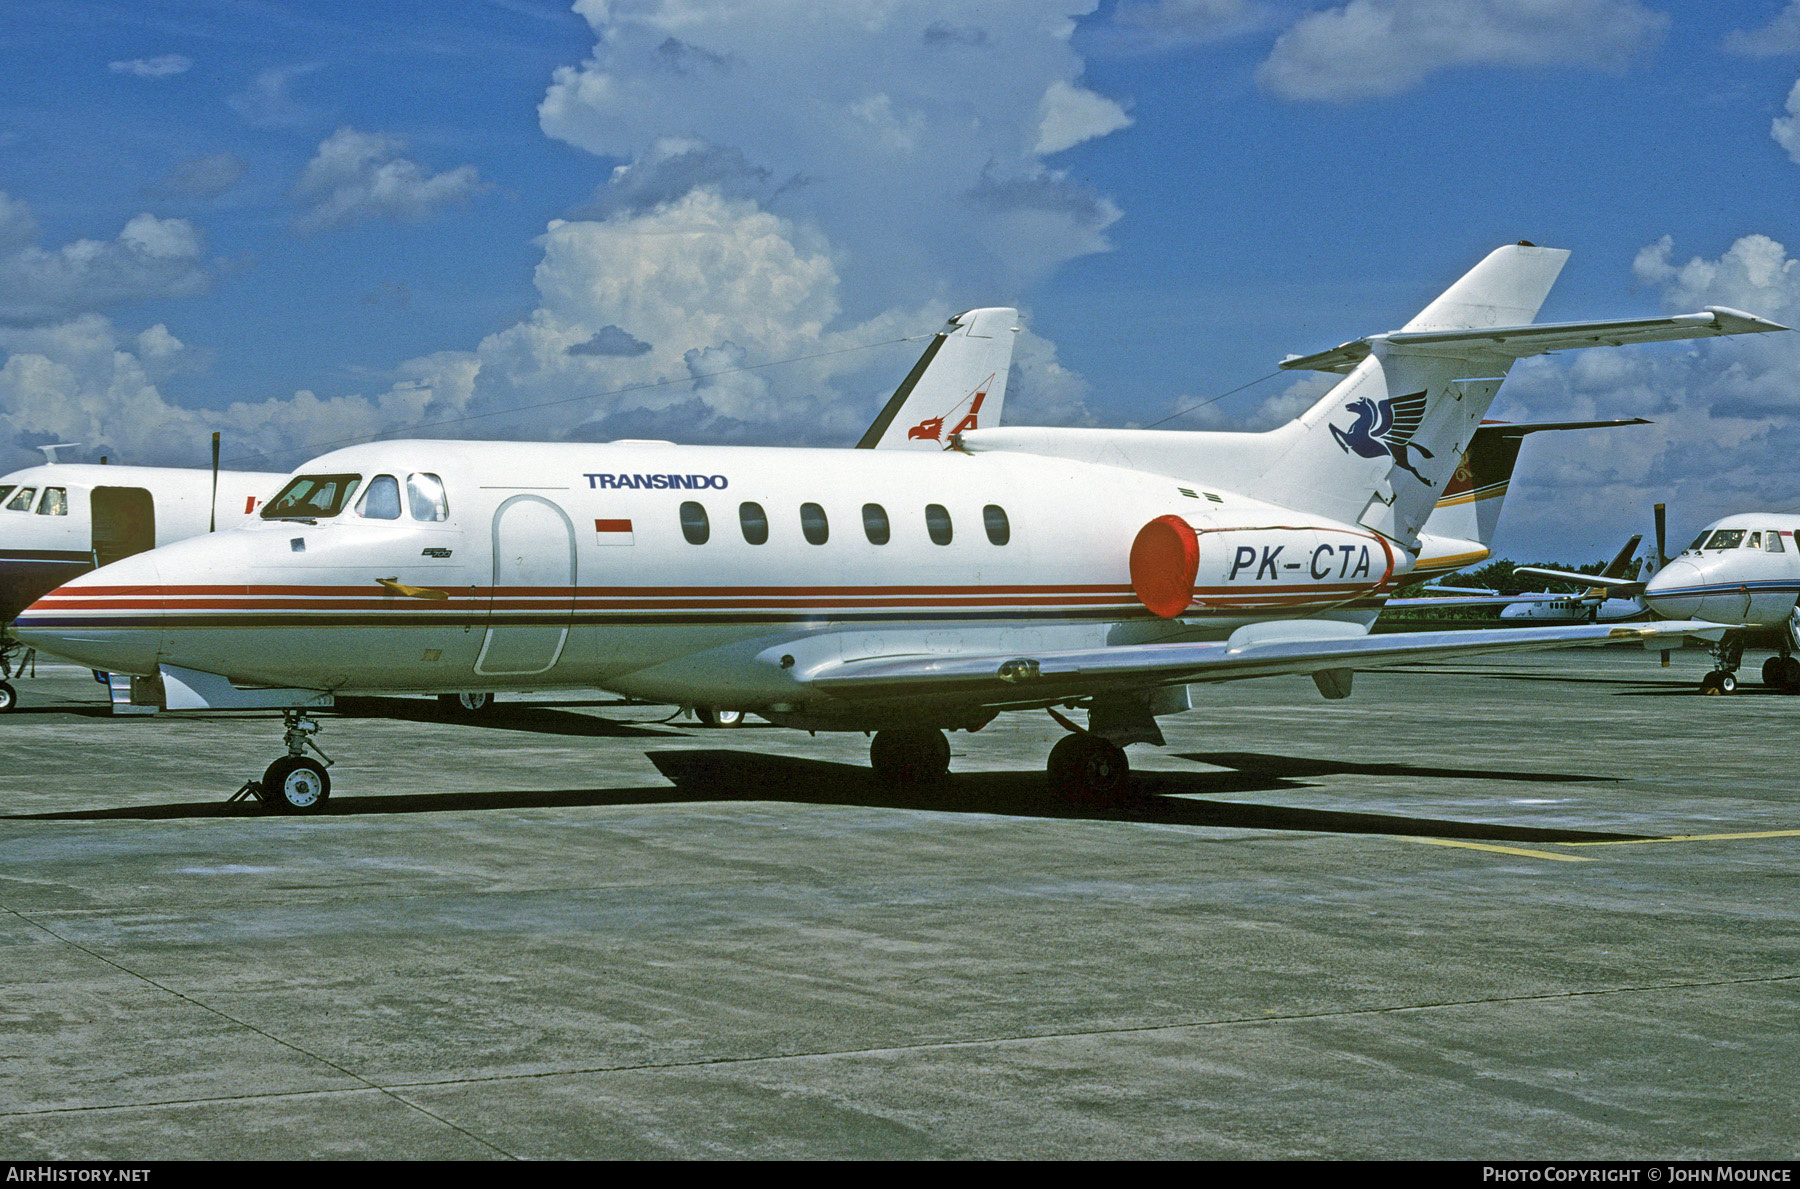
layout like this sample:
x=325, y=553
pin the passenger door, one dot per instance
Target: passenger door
x=533, y=598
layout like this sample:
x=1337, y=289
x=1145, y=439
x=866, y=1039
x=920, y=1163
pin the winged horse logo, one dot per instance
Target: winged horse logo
x=1385, y=427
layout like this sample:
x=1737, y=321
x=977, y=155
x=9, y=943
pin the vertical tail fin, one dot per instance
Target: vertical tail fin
x=958, y=384
x=1381, y=446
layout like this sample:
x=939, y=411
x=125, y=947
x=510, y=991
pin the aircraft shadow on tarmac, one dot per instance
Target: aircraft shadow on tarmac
x=538, y=718
x=1156, y=797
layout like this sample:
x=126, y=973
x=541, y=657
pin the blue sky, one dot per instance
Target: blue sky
x=299, y=223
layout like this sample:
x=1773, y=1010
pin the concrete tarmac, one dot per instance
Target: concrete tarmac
x=1523, y=909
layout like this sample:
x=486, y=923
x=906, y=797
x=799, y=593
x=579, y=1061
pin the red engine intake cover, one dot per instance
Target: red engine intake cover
x=1164, y=559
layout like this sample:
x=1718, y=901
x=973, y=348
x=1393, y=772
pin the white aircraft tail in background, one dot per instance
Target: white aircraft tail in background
x=959, y=384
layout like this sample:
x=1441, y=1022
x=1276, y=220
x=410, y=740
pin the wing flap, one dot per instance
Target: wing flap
x=1047, y=676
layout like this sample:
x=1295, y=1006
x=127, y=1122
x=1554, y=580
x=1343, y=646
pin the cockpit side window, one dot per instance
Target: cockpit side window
x=22, y=501
x=1726, y=538
x=1700, y=541
x=425, y=495
x=1772, y=541
x=5, y=490
x=1755, y=541
x=311, y=497
x=381, y=499
x=55, y=502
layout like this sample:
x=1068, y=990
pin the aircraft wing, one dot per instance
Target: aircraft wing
x=1517, y=342
x=1037, y=678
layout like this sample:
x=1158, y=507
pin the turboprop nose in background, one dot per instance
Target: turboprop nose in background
x=1673, y=592
x=110, y=618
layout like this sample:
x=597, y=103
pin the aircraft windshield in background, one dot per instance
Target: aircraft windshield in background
x=904, y=592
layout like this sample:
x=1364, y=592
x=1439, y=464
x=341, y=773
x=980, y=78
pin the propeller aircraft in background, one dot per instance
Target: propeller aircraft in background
x=904, y=592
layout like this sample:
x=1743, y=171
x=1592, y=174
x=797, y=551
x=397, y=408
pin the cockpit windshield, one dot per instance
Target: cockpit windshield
x=312, y=497
x=1726, y=538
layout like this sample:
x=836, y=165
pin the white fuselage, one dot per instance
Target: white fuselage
x=1750, y=577
x=585, y=565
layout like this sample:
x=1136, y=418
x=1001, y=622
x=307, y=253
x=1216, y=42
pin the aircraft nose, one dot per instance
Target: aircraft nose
x=1673, y=592
x=110, y=618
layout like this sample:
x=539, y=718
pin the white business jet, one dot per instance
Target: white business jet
x=903, y=592
x=60, y=519
x=1741, y=572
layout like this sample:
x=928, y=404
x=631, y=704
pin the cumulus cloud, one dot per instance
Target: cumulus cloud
x=1780, y=36
x=150, y=257
x=1725, y=411
x=1786, y=129
x=928, y=116
x=202, y=177
x=1372, y=48
x=359, y=176
x=1069, y=115
x=159, y=67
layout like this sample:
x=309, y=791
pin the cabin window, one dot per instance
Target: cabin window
x=55, y=502
x=755, y=523
x=311, y=497
x=381, y=500
x=694, y=525
x=813, y=524
x=937, y=523
x=1726, y=538
x=425, y=496
x=1755, y=541
x=875, y=524
x=1772, y=541
x=993, y=518
x=22, y=501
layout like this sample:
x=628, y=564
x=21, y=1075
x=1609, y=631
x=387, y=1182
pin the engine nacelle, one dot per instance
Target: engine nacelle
x=1175, y=566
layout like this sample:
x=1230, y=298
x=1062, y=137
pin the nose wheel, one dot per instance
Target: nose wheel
x=295, y=783
x=9, y=697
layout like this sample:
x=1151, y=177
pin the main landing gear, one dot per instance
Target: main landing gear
x=710, y=716
x=295, y=783
x=1088, y=769
x=1782, y=672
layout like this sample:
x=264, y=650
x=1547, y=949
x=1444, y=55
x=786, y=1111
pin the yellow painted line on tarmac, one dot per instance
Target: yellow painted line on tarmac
x=1501, y=850
x=1689, y=838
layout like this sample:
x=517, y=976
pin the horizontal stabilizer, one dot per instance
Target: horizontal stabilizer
x=1622, y=587
x=1517, y=342
x=1003, y=679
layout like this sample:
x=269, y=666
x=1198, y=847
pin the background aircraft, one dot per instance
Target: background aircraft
x=63, y=519
x=903, y=592
x=1590, y=606
x=1741, y=572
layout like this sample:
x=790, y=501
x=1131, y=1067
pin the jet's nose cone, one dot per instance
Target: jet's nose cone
x=110, y=618
x=1674, y=592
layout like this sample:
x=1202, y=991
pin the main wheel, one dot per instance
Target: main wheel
x=467, y=705
x=910, y=757
x=296, y=784
x=1790, y=673
x=1089, y=768
x=711, y=717
x=9, y=698
x=1774, y=672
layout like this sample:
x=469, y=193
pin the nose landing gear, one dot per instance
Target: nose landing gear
x=1727, y=655
x=295, y=783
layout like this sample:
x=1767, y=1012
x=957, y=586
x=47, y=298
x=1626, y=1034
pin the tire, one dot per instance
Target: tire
x=1089, y=769
x=1774, y=672
x=1709, y=684
x=712, y=717
x=296, y=784
x=910, y=757
x=1790, y=674
x=9, y=698
x=1728, y=683
x=467, y=705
